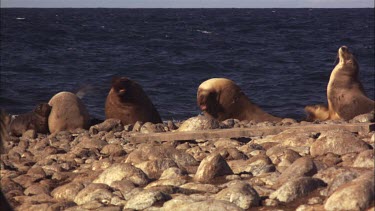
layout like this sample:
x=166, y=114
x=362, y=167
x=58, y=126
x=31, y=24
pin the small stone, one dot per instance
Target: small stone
x=67, y=192
x=208, y=188
x=145, y=199
x=365, y=159
x=149, y=127
x=121, y=171
x=29, y=134
x=93, y=192
x=137, y=126
x=271, y=203
x=153, y=169
x=107, y=125
x=241, y=194
x=199, y=123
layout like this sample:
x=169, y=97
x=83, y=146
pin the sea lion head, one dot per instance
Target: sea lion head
x=347, y=59
x=43, y=109
x=126, y=89
x=217, y=95
x=317, y=112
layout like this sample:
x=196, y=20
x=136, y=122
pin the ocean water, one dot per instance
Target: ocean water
x=281, y=58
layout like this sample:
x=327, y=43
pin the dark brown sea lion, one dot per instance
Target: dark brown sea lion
x=345, y=93
x=68, y=113
x=36, y=120
x=222, y=99
x=128, y=102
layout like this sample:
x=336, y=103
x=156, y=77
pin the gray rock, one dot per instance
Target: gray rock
x=339, y=142
x=121, y=171
x=94, y=192
x=296, y=188
x=355, y=195
x=303, y=166
x=67, y=192
x=212, y=166
x=145, y=199
x=241, y=194
x=199, y=123
x=365, y=159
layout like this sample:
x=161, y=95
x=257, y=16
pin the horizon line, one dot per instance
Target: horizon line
x=186, y=7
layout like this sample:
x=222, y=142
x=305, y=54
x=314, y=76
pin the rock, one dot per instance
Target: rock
x=94, y=192
x=199, y=123
x=114, y=150
x=137, y=126
x=339, y=142
x=293, y=138
x=241, y=194
x=121, y=171
x=365, y=159
x=149, y=127
x=208, y=188
x=153, y=169
x=29, y=134
x=124, y=186
x=231, y=154
x=186, y=203
x=355, y=195
x=108, y=125
x=212, y=166
x=256, y=165
x=171, y=173
x=303, y=166
x=296, y=188
x=145, y=199
x=227, y=143
x=340, y=180
x=36, y=189
x=282, y=157
x=364, y=118
x=67, y=192
x=306, y=207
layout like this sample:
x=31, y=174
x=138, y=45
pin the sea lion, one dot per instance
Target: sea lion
x=67, y=113
x=36, y=120
x=128, y=102
x=222, y=99
x=345, y=94
x=319, y=112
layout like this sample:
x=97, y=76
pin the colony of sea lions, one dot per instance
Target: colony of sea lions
x=218, y=98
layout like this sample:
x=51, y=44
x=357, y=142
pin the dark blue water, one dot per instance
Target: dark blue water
x=282, y=58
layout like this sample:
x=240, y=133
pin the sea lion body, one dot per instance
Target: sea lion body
x=36, y=120
x=345, y=94
x=67, y=113
x=319, y=112
x=222, y=99
x=128, y=102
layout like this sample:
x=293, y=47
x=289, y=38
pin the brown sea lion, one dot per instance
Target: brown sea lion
x=319, y=112
x=345, y=93
x=36, y=120
x=128, y=102
x=222, y=99
x=67, y=113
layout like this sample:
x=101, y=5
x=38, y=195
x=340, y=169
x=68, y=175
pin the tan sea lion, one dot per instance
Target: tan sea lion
x=222, y=99
x=319, y=112
x=128, y=102
x=36, y=120
x=67, y=113
x=345, y=93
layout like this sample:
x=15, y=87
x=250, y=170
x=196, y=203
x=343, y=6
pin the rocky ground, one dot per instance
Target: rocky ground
x=100, y=169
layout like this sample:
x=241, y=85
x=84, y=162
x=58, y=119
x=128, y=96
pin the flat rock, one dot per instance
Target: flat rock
x=296, y=188
x=208, y=188
x=145, y=199
x=241, y=194
x=355, y=195
x=94, y=192
x=339, y=142
x=121, y=171
x=67, y=192
x=212, y=166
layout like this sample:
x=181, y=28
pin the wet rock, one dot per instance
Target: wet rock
x=212, y=166
x=67, y=192
x=121, y=171
x=339, y=142
x=149, y=127
x=355, y=195
x=145, y=199
x=303, y=166
x=107, y=125
x=296, y=188
x=199, y=123
x=241, y=194
x=365, y=159
x=153, y=169
x=94, y=192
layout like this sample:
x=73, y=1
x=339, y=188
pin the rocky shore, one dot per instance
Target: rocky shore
x=102, y=169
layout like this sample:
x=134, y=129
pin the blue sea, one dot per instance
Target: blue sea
x=281, y=58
